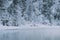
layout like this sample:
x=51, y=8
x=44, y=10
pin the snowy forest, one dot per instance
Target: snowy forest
x=29, y=19
x=17, y=12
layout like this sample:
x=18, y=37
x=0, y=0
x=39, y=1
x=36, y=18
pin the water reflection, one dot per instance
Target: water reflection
x=27, y=35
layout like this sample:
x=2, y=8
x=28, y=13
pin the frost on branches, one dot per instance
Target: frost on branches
x=20, y=12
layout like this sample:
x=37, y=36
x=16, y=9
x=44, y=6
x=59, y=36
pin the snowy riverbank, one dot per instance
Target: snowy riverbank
x=42, y=32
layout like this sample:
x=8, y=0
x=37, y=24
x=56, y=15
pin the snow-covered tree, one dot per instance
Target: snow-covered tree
x=17, y=12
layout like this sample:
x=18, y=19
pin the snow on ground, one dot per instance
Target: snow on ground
x=30, y=32
x=28, y=26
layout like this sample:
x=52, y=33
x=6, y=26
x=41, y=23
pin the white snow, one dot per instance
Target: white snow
x=29, y=26
x=30, y=32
